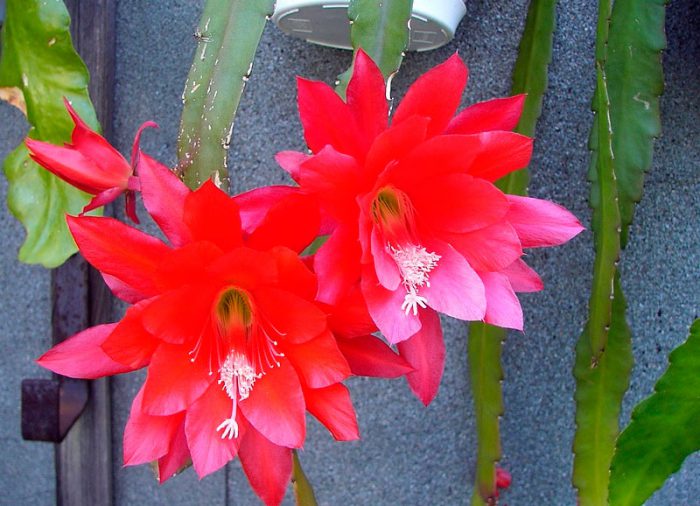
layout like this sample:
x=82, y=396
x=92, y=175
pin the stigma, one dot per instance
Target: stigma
x=415, y=264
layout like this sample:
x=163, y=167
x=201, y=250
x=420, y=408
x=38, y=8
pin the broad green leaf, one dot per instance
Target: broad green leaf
x=228, y=36
x=664, y=429
x=38, y=58
x=484, y=351
x=303, y=492
x=599, y=392
x=529, y=76
x=635, y=81
x=381, y=30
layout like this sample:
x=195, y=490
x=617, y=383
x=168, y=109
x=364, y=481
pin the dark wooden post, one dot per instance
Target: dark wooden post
x=80, y=297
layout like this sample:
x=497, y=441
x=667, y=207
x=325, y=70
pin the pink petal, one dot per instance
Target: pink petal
x=425, y=351
x=436, y=95
x=540, y=222
x=177, y=457
x=366, y=96
x=276, y=407
x=369, y=356
x=209, y=450
x=488, y=249
x=81, y=356
x=385, y=308
x=267, y=466
x=337, y=264
x=522, y=278
x=384, y=265
x=501, y=153
x=332, y=407
x=164, y=197
x=327, y=120
x=459, y=203
x=455, y=288
x=502, y=305
x=146, y=437
x=496, y=114
x=291, y=162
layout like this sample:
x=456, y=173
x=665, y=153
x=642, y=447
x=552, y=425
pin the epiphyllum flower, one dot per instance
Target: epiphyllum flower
x=413, y=212
x=91, y=164
x=225, y=320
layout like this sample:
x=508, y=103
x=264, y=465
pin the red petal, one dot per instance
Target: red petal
x=208, y=449
x=385, y=308
x=459, y=203
x=455, y=289
x=501, y=153
x=293, y=275
x=502, y=305
x=540, y=222
x=436, y=94
x=267, y=466
x=496, y=114
x=293, y=222
x=164, y=197
x=318, y=362
x=276, y=407
x=522, y=278
x=176, y=458
x=488, y=249
x=146, y=437
x=255, y=204
x=129, y=343
x=174, y=382
x=103, y=198
x=327, y=120
x=291, y=162
x=332, y=407
x=337, y=264
x=369, y=356
x=186, y=265
x=350, y=317
x=81, y=356
x=394, y=143
x=244, y=267
x=122, y=290
x=211, y=215
x=425, y=351
x=366, y=96
x=119, y=250
x=297, y=319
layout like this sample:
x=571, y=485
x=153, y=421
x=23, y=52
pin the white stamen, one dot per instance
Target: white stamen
x=238, y=378
x=415, y=264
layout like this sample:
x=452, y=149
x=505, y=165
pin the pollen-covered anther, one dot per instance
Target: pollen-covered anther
x=415, y=264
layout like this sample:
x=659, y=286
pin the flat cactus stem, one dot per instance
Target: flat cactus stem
x=303, y=492
x=227, y=38
x=381, y=30
x=529, y=76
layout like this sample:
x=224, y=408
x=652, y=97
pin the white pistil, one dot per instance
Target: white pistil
x=415, y=264
x=238, y=378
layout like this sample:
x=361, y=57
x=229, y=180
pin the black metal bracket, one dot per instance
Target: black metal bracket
x=50, y=407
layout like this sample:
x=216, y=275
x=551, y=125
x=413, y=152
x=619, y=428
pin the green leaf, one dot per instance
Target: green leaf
x=664, y=429
x=599, y=392
x=635, y=81
x=38, y=58
x=381, y=30
x=530, y=76
x=486, y=341
x=484, y=351
x=303, y=492
x=229, y=33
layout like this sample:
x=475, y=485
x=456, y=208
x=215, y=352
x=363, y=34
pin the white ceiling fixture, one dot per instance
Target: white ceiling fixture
x=325, y=22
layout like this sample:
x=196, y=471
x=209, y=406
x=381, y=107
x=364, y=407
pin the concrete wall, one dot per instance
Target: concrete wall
x=410, y=454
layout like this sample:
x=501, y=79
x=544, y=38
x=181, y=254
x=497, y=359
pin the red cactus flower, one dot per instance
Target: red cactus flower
x=224, y=319
x=91, y=164
x=413, y=214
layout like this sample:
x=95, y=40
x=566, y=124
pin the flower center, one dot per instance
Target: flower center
x=415, y=264
x=392, y=211
x=243, y=333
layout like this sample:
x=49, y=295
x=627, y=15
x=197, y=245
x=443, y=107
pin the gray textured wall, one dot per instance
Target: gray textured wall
x=409, y=454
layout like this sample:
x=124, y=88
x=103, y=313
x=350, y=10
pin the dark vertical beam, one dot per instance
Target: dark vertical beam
x=80, y=297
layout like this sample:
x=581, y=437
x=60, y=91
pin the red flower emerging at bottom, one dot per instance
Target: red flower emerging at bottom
x=236, y=348
x=91, y=164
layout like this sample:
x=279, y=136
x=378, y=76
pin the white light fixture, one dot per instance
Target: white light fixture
x=325, y=22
